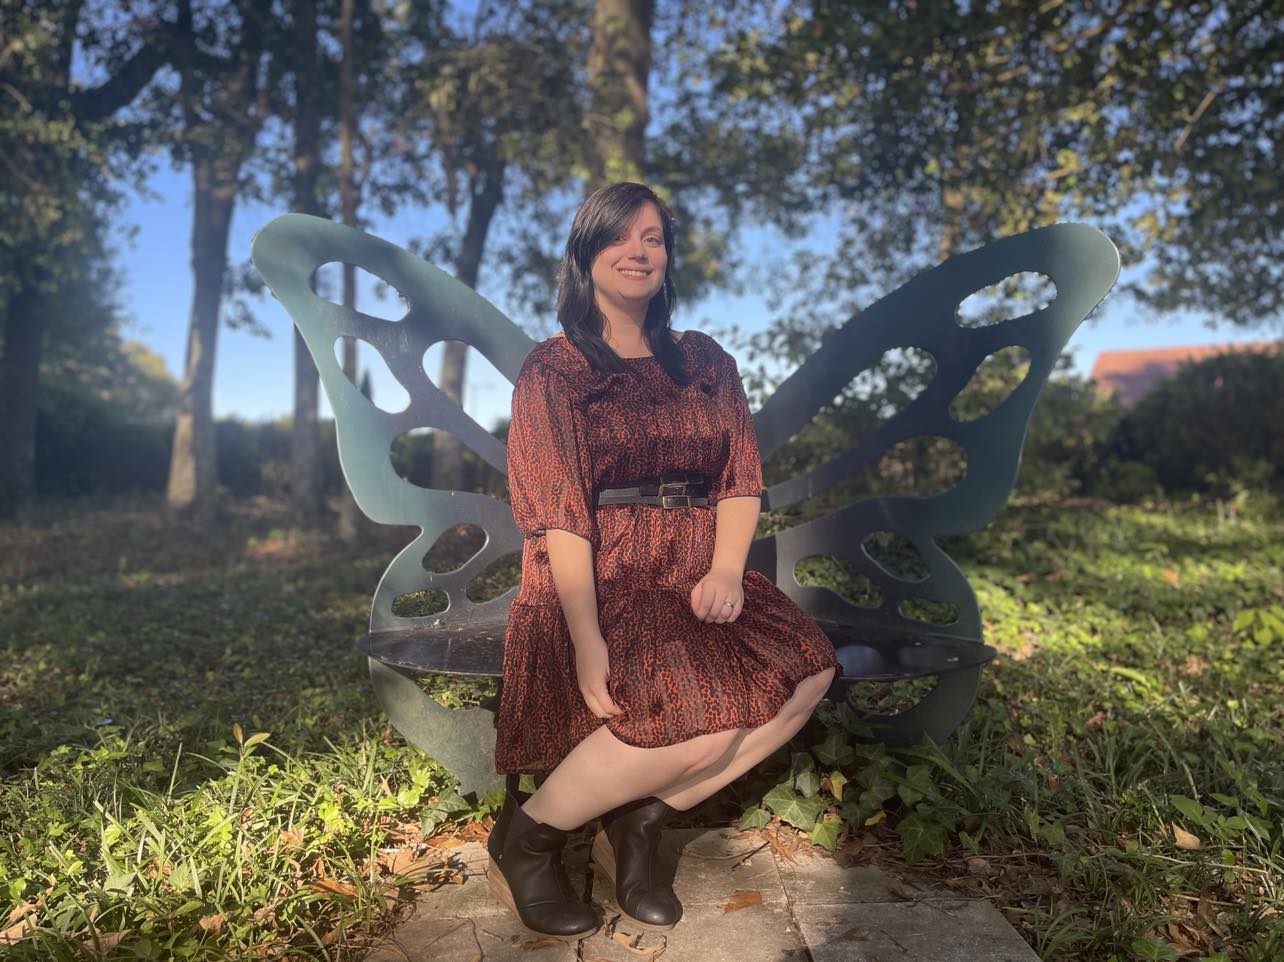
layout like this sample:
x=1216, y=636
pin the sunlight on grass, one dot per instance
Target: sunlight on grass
x=195, y=766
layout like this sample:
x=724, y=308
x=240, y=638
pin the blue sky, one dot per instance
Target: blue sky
x=253, y=375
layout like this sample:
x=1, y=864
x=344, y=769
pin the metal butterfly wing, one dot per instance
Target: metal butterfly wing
x=923, y=314
x=467, y=637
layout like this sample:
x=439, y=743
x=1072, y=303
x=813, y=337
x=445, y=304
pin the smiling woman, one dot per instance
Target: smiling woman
x=644, y=668
x=627, y=274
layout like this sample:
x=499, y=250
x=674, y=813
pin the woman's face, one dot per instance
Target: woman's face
x=630, y=271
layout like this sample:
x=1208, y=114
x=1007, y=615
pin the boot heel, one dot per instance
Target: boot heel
x=498, y=885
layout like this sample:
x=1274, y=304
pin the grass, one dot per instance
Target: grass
x=194, y=766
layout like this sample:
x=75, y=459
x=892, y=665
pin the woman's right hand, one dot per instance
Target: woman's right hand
x=592, y=666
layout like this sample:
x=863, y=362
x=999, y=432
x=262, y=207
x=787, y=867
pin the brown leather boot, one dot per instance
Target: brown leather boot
x=627, y=850
x=525, y=872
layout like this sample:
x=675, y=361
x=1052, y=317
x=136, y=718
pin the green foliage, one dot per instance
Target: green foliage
x=85, y=445
x=1134, y=699
x=190, y=768
x=1216, y=425
x=187, y=747
x=1160, y=124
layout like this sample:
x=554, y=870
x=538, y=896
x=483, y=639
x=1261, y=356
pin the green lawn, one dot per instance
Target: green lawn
x=194, y=766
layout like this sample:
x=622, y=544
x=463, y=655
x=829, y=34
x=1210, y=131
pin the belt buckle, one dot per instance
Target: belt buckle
x=674, y=500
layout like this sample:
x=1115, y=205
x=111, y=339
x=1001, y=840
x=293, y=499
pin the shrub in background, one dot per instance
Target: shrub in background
x=1214, y=426
x=85, y=445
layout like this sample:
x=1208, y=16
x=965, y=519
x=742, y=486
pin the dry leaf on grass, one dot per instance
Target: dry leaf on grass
x=1184, y=839
x=23, y=919
x=742, y=899
x=333, y=886
x=409, y=861
x=106, y=941
x=212, y=923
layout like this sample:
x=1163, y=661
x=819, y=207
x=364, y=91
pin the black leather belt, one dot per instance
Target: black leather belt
x=676, y=489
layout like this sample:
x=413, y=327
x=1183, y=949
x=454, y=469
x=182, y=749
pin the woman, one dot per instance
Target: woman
x=644, y=668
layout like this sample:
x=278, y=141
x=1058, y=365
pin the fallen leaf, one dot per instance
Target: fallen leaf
x=1184, y=839
x=980, y=866
x=1171, y=577
x=773, y=839
x=106, y=940
x=408, y=861
x=334, y=886
x=212, y=923
x=634, y=942
x=532, y=944
x=20, y=928
x=743, y=898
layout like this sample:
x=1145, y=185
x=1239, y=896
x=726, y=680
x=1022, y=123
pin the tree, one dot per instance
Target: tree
x=619, y=68
x=305, y=434
x=503, y=108
x=930, y=128
x=222, y=102
x=60, y=149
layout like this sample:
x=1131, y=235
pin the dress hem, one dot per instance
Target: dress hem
x=752, y=722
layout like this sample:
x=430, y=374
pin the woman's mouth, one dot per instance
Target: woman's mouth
x=630, y=272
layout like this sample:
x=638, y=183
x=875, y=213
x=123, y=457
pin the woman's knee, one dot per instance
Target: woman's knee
x=812, y=689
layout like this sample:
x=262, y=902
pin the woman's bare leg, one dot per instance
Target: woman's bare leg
x=602, y=772
x=751, y=746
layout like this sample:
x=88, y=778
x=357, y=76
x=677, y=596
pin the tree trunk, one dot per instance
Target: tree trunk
x=219, y=147
x=619, y=67
x=447, y=450
x=305, y=435
x=193, y=469
x=349, y=513
x=19, y=392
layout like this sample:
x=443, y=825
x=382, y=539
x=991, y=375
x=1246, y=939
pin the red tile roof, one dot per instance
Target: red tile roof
x=1130, y=374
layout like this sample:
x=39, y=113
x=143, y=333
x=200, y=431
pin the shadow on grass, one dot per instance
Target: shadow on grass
x=111, y=616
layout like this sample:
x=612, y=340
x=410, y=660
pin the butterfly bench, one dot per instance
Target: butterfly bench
x=883, y=642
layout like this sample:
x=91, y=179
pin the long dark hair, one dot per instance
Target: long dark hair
x=601, y=218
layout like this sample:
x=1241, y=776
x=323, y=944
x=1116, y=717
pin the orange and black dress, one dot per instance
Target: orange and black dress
x=573, y=431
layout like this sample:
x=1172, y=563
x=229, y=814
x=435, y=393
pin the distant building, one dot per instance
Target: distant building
x=1130, y=374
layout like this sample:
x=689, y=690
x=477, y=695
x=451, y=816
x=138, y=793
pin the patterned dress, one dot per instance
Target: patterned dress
x=574, y=431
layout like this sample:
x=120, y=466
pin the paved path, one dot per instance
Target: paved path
x=809, y=909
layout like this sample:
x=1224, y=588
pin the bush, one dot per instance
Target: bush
x=85, y=445
x=1214, y=426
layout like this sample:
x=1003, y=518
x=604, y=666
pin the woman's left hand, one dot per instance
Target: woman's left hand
x=710, y=596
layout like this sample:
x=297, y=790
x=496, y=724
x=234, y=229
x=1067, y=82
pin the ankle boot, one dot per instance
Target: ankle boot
x=627, y=850
x=525, y=872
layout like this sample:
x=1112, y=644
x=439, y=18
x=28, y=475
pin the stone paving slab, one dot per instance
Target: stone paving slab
x=808, y=909
x=918, y=931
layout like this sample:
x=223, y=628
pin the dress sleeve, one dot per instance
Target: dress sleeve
x=742, y=473
x=549, y=472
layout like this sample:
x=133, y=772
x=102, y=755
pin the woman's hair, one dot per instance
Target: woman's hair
x=602, y=217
